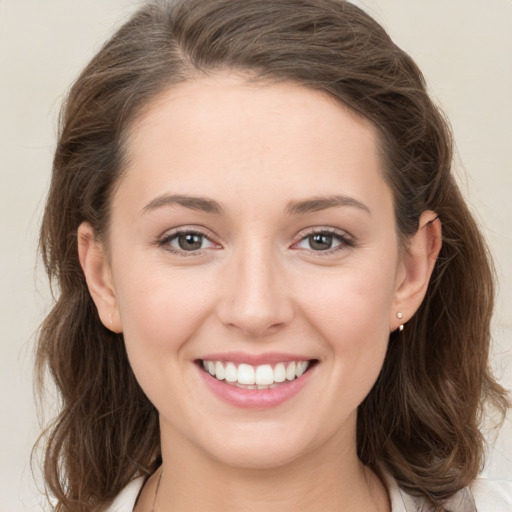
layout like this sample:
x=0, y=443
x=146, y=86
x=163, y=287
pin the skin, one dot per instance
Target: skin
x=256, y=285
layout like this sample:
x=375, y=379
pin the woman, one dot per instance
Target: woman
x=272, y=293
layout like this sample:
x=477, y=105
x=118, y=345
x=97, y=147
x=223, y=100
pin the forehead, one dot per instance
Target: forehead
x=226, y=130
x=247, y=101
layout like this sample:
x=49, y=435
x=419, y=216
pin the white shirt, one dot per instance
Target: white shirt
x=481, y=496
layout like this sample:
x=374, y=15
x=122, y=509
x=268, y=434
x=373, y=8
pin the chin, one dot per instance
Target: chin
x=260, y=448
x=257, y=457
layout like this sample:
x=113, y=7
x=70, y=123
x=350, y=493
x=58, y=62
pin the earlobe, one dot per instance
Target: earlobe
x=98, y=275
x=417, y=265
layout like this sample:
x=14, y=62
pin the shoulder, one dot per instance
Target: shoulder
x=492, y=496
x=125, y=500
x=481, y=496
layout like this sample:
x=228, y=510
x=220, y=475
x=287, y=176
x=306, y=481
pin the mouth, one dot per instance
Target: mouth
x=258, y=377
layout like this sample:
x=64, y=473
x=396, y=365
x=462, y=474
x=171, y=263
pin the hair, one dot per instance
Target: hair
x=422, y=420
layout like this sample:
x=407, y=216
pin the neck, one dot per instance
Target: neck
x=331, y=479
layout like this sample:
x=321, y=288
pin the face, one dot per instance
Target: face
x=253, y=237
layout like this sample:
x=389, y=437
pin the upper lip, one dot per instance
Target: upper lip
x=254, y=359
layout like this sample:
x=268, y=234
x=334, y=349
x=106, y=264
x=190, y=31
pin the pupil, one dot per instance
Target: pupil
x=320, y=241
x=190, y=242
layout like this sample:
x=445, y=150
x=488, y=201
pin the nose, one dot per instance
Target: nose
x=255, y=298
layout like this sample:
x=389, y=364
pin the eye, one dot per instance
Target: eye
x=187, y=241
x=324, y=241
x=321, y=241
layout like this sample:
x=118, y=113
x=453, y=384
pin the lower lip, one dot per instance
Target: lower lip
x=255, y=398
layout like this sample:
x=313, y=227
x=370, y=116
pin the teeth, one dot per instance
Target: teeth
x=220, y=373
x=264, y=376
x=301, y=368
x=279, y=373
x=231, y=373
x=246, y=374
x=290, y=371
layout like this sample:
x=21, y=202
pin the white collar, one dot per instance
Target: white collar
x=462, y=501
x=126, y=499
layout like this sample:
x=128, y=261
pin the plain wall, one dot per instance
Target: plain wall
x=464, y=48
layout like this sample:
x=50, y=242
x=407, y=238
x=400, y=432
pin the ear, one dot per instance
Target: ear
x=416, y=268
x=98, y=275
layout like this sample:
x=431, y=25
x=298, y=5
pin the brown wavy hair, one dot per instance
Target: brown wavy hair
x=421, y=421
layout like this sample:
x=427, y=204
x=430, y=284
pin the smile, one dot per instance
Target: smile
x=255, y=382
x=246, y=376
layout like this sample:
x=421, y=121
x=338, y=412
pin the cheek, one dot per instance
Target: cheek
x=350, y=304
x=350, y=311
x=160, y=311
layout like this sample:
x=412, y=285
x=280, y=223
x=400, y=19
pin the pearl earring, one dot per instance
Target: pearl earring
x=400, y=315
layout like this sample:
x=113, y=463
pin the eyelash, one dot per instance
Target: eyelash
x=167, y=239
x=344, y=240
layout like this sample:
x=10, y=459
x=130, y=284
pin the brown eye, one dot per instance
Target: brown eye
x=190, y=241
x=320, y=241
x=187, y=242
x=324, y=241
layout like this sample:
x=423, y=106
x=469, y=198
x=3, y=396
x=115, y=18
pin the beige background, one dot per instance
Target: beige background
x=464, y=48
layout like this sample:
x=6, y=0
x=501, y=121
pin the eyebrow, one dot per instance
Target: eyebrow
x=316, y=204
x=194, y=203
x=203, y=204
